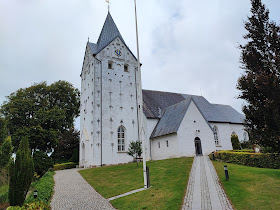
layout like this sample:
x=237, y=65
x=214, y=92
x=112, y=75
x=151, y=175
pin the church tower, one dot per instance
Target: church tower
x=108, y=115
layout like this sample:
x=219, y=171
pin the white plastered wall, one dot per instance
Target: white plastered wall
x=118, y=105
x=182, y=144
x=224, y=134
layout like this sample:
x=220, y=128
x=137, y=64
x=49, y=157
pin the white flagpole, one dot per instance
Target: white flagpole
x=140, y=104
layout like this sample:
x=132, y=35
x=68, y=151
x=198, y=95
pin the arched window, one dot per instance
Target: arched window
x=245, y=136
x=215, y=130
x=121, y=138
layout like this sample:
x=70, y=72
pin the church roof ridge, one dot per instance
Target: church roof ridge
x=171, y=92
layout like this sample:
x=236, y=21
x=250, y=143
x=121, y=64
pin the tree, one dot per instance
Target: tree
x=42, y=162
x=5, y=152
x=21, y=174
x=67, y=147
x=135, y=150
x=260, y=85
x=41, y=113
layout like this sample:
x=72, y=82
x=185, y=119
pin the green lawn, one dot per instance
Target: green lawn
x=250, y=187
x=168, y=179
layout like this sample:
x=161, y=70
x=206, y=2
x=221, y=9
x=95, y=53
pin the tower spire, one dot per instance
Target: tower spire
x=108, y=1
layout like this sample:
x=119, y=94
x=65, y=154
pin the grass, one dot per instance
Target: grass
x=168, y=179
x=251, y=187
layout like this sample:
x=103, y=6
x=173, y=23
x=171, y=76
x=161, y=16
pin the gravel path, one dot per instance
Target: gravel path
x=71, y=191
x=204, y=190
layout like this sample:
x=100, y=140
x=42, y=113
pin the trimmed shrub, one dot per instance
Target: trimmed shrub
x=244, y=150
x=42, y=162
x=260, y=160
x=44, y=186
x=63, y=166
x=235, y=142
x=21, y=174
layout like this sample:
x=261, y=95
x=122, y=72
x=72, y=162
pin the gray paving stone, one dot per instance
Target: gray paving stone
x=204, y=190
x=71, y=191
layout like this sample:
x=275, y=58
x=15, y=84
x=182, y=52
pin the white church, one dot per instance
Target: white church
x=175, y=124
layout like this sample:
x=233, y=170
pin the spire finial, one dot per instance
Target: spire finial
x=108, y=1
x=88, y=39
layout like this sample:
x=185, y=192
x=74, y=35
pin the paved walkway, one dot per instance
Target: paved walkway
x=71, y=191
x=204, y=190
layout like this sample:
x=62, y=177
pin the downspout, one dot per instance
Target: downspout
x=101, y=129
x=100, y=112
x=137, y=105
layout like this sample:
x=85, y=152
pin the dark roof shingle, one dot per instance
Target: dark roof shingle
x=172, y=104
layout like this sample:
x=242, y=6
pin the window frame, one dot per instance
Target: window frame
x=216, y=136
x=110, y=65
x=126, y=68
x=121, y=138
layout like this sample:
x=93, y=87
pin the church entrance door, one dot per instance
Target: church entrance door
x=198, y=149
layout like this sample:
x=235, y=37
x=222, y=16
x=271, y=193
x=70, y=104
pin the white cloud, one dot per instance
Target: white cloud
x=186, y=46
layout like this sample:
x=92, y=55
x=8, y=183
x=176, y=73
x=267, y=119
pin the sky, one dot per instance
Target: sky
x=186, y=46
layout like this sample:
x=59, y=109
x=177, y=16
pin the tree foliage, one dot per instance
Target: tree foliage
x=67, y=148
x=42, y=162
x=135, y=150
x=235, y=142
x=41, y=113
x=6, y=149
x=3, y=129
x=21, y=174
x=260, y=85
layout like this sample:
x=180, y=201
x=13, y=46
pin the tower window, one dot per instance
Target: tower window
x=126, y=68
x=110, y=65
x=158, y=144
x=121, y=138
x=215, y=130
x=167, y=145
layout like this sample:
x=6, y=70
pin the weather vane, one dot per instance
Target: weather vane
x=108, y=1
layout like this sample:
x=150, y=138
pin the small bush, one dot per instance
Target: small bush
x=235, y=142
x=260, y=160
x=42, y=162
x=245, y=144
x=63, y=166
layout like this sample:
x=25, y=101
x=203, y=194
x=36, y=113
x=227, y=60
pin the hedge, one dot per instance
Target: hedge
x=44, y=186
x=63, y=166
x=243, y=150
x=260, y=160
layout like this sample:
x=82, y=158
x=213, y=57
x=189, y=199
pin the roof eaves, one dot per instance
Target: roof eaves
x=163, y=135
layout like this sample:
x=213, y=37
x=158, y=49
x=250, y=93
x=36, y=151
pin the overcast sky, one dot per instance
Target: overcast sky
x=186, y=46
